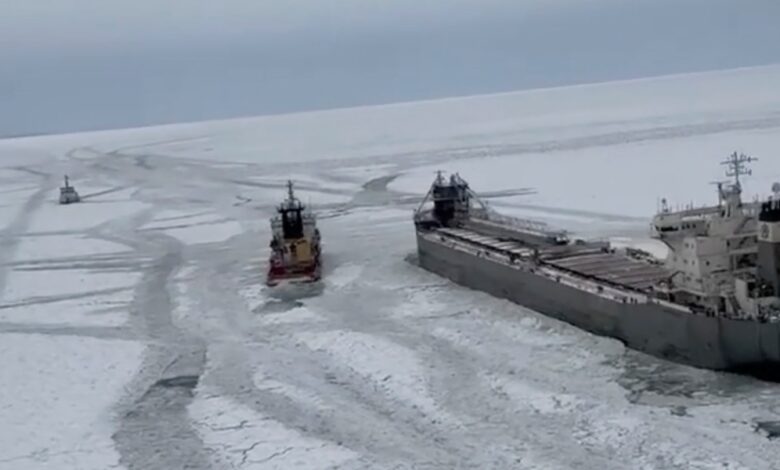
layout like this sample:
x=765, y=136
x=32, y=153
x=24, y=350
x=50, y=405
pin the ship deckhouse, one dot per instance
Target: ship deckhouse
x=710, y=246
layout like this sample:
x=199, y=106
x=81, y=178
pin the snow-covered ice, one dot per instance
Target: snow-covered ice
x=247, y=440
x=296, y=315
x=584, y=179
x=368, y=356
x=137, y=332
x=196, y=228
x=57, y=400
x=88, y=214
x=52, y=247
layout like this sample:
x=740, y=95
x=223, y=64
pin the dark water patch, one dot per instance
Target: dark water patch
x=142, y=161
x=679, y=389
x=769, y=428
x=380, y=184
x=103, y=193
x=768, y=372
x=413, y=259
x=182, y=381
x=277, y=306
x=241, y=200
x=334, y=212
x=296, y=292
x=155, y=431
x=376, y=193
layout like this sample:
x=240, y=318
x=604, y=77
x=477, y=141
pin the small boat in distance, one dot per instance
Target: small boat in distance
x=68, y=193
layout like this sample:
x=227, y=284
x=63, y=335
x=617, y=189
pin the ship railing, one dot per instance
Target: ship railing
x=692, y=213
x=516, y=222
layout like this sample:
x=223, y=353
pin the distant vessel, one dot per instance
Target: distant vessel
x=295, y=243
x=713, y=303
x=68, y=193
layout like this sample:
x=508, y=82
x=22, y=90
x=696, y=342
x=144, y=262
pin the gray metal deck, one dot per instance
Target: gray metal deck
x=588, y=261
x=614, y=268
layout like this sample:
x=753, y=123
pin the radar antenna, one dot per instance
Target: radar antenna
x=736, y=166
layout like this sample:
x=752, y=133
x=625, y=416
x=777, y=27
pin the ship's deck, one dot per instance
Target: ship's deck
x=613, y=268
x=589, y=261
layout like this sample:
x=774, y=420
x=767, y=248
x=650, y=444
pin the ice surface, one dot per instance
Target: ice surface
x=57, y=398
x=68, y=280
x=295, y=315
x=109, y=310
x=196, y=228
x=25, y=285
x=247, y=440
x=434, y=126
x=534, y=398
x=344, y=275
x=55, y=248
x=584, y=180
x=403, y=378
x=53, y=217
x=301, y=396
x=381, y=365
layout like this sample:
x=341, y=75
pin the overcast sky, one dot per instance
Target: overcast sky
x=68, y=65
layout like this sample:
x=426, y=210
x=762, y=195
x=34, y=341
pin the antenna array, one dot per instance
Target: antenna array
x=736, y=166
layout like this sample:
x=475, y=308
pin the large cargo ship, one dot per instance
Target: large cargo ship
x=295, y=244
x=714, y=302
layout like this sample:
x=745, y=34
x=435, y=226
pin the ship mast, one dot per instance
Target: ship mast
x=736, y=166
x=290, y=192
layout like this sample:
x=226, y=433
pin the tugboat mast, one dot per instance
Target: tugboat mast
x=290, y=193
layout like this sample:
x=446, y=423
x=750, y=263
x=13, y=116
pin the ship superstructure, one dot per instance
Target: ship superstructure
x=295, y=243
x=714, y=252
x=712, y=303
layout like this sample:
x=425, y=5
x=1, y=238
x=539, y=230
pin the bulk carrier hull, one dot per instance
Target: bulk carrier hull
x=657, y=328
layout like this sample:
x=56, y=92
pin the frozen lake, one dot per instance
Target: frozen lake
x=137, y=332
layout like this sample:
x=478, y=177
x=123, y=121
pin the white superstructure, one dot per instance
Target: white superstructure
x=713, y=251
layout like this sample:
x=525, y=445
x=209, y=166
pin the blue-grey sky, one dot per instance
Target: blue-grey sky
x=69, y=65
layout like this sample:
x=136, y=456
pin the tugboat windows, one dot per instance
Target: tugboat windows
x=292, y=223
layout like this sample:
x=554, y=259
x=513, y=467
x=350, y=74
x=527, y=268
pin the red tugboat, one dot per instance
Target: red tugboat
x=295, y=246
